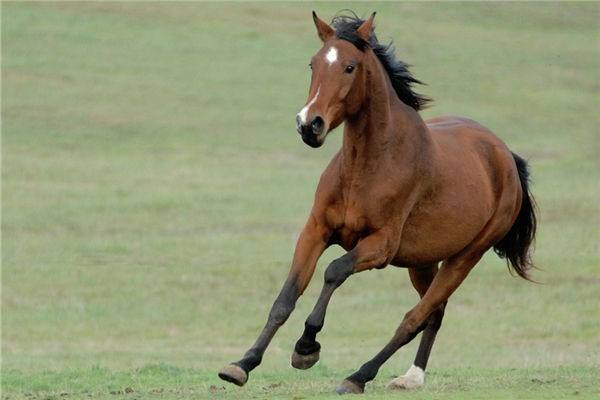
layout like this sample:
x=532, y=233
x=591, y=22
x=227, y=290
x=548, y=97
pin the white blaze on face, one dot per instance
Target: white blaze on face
x=332, y=55
x=304, y=111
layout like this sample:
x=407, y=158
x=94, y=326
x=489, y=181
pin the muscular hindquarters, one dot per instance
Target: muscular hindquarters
x=473, y=179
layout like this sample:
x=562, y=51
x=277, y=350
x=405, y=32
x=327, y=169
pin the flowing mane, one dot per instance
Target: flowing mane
x=402, y=80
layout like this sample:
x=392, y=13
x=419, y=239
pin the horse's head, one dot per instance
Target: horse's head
x=337, y=86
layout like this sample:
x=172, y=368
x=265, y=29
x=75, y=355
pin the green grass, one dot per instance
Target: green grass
x=169, y=382
x=153, y=188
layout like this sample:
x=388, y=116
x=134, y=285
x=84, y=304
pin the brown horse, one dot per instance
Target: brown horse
x=401, y=191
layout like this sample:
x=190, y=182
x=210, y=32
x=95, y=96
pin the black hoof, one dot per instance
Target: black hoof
x=234, y=374
x=349, y=387
x=300, y=361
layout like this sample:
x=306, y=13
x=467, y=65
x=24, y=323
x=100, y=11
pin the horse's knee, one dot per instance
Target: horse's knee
x=280, y=312
x=338, y=271
x=284, y=304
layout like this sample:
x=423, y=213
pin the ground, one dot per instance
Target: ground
x=153, y=188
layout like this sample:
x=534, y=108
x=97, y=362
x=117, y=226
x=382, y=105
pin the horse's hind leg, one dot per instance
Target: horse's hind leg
x=448, y=278
x=421, y=279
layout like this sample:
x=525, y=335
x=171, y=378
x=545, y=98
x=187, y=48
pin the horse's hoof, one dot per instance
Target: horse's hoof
x=404, y=383
x=413, y=379
x=300, y=361
x=234, y=374
x=349, y=387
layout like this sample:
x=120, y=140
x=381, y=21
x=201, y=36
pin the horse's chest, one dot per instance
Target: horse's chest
x=347, y=237
x=356, y=211
x=353, y=223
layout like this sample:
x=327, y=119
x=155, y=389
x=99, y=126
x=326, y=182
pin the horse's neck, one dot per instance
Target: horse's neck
x=384, y=127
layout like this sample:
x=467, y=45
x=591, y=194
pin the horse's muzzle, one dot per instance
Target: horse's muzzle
x=313, y=133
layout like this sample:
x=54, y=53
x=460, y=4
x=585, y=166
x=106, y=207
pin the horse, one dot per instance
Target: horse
x=429, y=196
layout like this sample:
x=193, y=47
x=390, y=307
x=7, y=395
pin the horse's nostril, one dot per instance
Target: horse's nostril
x=317, y=125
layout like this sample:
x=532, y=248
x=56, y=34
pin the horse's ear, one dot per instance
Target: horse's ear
x=364, y=31
x=323, y=29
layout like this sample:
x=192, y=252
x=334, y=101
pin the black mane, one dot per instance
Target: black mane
x=402, y=80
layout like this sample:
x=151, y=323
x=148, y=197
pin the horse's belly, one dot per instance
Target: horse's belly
x=435, y=232
x=419, y=248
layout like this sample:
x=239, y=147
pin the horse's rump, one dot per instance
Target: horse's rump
x=473, y=176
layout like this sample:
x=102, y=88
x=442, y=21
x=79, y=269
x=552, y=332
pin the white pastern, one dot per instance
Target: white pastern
x=414, y=378
x=304, y=111
x=332, y=55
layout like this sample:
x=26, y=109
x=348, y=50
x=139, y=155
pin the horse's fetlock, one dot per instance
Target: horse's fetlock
x=254, y=355
x=366, y=373
x=251, y=360
x=305, y=346
x=311, y=326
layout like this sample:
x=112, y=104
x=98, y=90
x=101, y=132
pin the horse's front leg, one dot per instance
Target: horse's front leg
x=310, y=246
x=371, y=252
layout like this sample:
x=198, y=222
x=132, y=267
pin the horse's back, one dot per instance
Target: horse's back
x=461, y=139
x=455, y=128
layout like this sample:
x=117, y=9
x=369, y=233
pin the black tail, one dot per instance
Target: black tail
x=515, y=247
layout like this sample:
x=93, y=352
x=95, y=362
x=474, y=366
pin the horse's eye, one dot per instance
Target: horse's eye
x=349, y=69
x=310, y=65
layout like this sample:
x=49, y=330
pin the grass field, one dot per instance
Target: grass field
x=153, y=187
